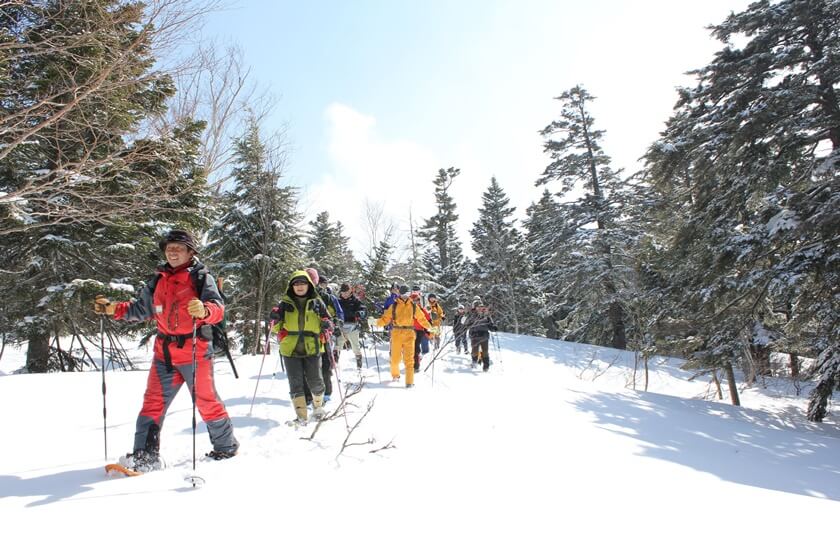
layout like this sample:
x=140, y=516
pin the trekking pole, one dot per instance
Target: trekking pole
x=104, y=407
x=262, y=363
x=498, y=349
x=194, y=383
x=376, y=357
x=438, y=353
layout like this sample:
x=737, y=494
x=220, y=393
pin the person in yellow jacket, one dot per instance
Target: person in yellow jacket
x=438, y=315
x=302, y=324
x=403, y=315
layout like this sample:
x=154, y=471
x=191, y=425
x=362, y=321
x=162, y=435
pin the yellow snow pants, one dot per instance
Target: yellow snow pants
x=402, y=346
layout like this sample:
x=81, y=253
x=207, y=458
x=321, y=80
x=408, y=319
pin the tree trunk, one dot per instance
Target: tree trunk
x=733, y=387
x=794, y=366
x=718, y=390
x=619, y=339
x=760, y=355
x=38, y=353
x=258, y=316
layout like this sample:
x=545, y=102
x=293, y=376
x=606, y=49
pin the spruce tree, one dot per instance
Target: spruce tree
x=590, y=239
x=328, y=247
x=502, y=276
x=443, y=258
x=751, y=153
x=75, y=167
x=542, y=217
x=255, y=243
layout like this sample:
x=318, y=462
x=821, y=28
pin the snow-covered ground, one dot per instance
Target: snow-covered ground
x=550, y=454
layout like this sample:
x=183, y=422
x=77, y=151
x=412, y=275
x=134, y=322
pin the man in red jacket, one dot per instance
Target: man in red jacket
x=181, y=292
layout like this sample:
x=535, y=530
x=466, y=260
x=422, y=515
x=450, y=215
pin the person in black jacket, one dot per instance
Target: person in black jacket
x=459, y=329
x=354, y=315
x=480, y=324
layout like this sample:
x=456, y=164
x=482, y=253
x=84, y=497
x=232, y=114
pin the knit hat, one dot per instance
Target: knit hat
x=476, y=301
x=460, y=306
x=178, y=236
x=344, y=288
x=403, y=290
x=415, y=289
x=432, y=296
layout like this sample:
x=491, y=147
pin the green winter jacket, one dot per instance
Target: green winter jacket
x=300, y=324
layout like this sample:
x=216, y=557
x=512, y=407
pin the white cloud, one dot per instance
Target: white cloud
x=362, y=166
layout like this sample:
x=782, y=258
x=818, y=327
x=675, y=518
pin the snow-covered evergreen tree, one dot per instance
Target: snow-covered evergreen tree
x=256, y=242
x=75, y=166
x=443, y=258
x=589, y=239
x=328, y=248
x=542, y=218
x=374, y=272
x=501, y=275
x=751, y=156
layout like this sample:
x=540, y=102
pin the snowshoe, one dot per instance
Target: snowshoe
x=141, y=461
x=220, y=455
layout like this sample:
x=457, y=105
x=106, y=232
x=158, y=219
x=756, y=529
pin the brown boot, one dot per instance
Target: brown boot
x=300, y=408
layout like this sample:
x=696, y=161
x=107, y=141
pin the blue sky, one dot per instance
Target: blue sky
x=378, y=95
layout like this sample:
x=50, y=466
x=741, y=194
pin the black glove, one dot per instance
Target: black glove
x=276, y=315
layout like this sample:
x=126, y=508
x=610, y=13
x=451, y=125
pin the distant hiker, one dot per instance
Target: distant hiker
x=173, y=301
x=353, y=317
x=393, y=295
x=437, y=315
x=421, y=332
x=303, y=325
x=402, y=316
x=480, y=324
x=459, y=329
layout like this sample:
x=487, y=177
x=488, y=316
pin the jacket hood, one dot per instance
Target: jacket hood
x=300, y=274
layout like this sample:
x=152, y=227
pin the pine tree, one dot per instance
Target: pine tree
x=502, y=276
x=591, y=242
x=255, y=244
x=542, y=218
x=374, y=269
x=78, y=166
x=443, y=258
x=751, y=154
x=329, y=248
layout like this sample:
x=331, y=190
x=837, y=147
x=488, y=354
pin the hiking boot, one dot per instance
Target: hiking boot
x=409, y=385
x=142, y=461
x=358, y=362
x=217, y=455
x=327, y=398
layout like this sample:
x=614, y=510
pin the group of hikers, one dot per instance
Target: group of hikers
x=310, y=322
